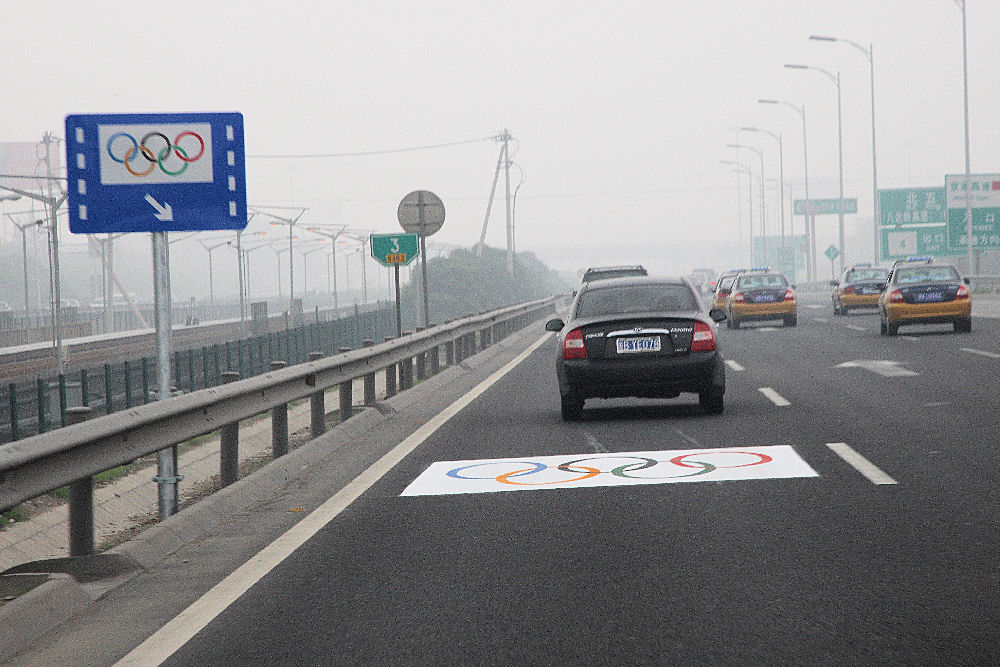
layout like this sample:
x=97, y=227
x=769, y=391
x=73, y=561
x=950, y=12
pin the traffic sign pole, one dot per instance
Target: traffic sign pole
x=166, y=459
x=423, y=258
x=399, y=313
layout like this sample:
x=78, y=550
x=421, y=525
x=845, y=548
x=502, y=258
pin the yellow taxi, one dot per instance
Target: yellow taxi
x=723, y=287
x=859, y=287
x=761, y=294
x=922, y=291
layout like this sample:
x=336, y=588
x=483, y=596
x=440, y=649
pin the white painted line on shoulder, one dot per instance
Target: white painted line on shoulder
x=735, y=366
x=860, y=463
x=774, y=397
x=172, y=636
x=820, y=319
x=856, y=327
x=984, y=353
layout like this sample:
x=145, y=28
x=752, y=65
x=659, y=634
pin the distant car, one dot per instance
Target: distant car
x=761, y=295
x=859, y=287
x=606, y=272
x=638, y=336
x=723, y=287
x=923, y=291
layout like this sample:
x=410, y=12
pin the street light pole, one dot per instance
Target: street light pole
x=781, y=174
x=763, y=211
x=24, y=258
x=835, y=78
x=968, y=163
x=333, y=236
x=810, y=225
x=869, y=55
x=741, y=168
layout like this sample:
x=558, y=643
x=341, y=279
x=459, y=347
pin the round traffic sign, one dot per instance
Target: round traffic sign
x=421, y=212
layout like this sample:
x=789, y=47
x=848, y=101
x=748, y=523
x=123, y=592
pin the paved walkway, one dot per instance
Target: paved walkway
x=130, y=501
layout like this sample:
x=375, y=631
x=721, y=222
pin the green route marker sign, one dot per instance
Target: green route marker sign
x=911, y=207
x=394, y=249
x=824, y=206
x=832, y=252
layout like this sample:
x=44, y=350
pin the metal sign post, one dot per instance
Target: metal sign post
x=157, y=173
x=422, y=213
x=394, y=250
x=399, y=313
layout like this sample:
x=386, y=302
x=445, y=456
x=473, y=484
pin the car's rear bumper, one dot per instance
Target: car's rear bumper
x=859, y=300
x=659, y=377
x=928, y=313
x=762, y=311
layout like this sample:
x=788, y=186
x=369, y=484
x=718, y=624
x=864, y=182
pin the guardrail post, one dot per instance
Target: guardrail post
x=435, y=356
x=145, y=380
x=62, y=399
x=346, y=394
x=81, y=501
x=421, y=359
x=109, y=406
x=40, y=391
x=279, y=422
x=370, y=378
x=390, y=375
x=229, y=447
x=317, y=405
x=406, y=370
x=14, y=435
x=449, y=353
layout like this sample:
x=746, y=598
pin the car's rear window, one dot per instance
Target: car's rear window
x=925, y=274
x=761, y=280
x=726, y=282
x=613, y=273
x=866, y=275
x=635, y=299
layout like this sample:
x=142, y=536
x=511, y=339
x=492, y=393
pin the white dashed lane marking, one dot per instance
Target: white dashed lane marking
x=735, y=366
x=774, y=397
x=821, y=319
x=982, y=353
x=856, y=327
x=860, y=463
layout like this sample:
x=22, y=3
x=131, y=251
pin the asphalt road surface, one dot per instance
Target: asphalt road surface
x=858, y=525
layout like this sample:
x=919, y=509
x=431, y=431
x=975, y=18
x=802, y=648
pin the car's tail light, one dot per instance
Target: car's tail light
x=963, y=292
x=849, y=290
x=573, y=347
x=737, y=297
x=789, y=295
x=704, y=339
x=896, y=296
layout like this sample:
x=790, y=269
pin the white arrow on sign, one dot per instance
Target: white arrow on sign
x=889, y=369
x=164, y=212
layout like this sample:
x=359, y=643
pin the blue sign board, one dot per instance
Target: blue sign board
x=155, y=172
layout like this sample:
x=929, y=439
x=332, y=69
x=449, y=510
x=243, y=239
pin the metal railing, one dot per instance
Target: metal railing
x=72, y=455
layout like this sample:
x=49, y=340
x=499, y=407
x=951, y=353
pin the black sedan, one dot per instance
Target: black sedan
x=640, y=336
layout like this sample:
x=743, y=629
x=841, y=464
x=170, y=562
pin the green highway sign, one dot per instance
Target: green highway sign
x=832, y=253
x=905, y=207
x=824, y=206
x=899, y=243
x=394, y=249
x=985, y=228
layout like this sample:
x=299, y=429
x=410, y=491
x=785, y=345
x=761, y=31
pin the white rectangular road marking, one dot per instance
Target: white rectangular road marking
x=573, y=471
x=767, y=328
x=814, y=306
x=165, y=641
x=735, y=366
x=991, y=355
x=820, y=319
x=856, y=327
x=774, y=397
x=860, y=463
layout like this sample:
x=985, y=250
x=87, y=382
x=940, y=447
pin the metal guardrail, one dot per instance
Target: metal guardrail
x=74, y=454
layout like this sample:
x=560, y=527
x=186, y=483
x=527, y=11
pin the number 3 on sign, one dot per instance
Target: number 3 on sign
x=395, y=244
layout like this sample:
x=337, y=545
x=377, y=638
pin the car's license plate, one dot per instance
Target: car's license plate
x=643, y=344
x=930, y=296
x=765, y=298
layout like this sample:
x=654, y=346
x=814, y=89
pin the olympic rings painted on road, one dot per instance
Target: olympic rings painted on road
x=582, y=472
x=140, y=147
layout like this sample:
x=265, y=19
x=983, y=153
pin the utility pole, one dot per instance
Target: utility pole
x=510, y=227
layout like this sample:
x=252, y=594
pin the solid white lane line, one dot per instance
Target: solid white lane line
x=172, y=636
x=820, y=319
x=860, y=463
x=735, y=366
x=856, y=327
x=991, y=355
x=774, y=397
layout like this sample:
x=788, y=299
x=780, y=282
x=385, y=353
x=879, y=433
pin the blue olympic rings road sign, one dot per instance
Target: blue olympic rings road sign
x=155, y=159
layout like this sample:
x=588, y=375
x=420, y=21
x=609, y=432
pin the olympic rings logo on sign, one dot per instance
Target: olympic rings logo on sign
x=580, y=472
x=154, y=159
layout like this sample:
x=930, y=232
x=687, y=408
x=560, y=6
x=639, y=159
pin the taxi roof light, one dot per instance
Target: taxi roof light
x=919, y=258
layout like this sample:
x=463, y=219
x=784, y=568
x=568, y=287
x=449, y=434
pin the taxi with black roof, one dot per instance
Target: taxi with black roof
x=859, y=286
x=761, y=294
x=923, y=291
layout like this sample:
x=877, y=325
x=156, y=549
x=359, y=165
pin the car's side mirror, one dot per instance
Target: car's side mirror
x=554, y=325
x=966, y=281
x=717, y=314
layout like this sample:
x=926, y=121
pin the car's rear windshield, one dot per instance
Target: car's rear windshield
x=726, y=282
x=626, y=299
x=866, y=275
x=612, y=273
x=761, y=280
x=923, y=274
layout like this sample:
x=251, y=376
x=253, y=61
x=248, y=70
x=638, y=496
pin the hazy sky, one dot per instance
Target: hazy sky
x=621, y=111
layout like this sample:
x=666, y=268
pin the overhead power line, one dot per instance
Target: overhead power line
x=381, y=152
